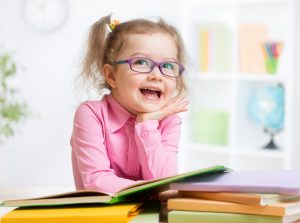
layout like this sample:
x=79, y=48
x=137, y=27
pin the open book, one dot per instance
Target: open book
x=127, y=194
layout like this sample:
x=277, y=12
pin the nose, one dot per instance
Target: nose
x=155, y=74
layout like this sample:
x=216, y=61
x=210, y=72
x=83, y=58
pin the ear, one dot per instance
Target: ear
x=109, y=76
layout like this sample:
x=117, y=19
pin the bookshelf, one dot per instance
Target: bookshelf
x=230, y=90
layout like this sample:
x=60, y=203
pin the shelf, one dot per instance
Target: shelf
x=259, y=163
x=211, y=76
x=222, y=3
x=259, y=152
x=205, y=24
x=204, y=156
x=261, y=77
x=264, y=77
x=207, y=148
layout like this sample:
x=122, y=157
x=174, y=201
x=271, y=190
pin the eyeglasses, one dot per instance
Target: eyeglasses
x=145, y=65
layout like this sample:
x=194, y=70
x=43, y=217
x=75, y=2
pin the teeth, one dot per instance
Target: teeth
x=151, y=89
x=157, y=91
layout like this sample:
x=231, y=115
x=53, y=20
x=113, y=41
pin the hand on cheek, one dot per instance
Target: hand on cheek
x=176, y=105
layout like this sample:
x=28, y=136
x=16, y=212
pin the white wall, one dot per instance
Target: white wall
x=39, y=155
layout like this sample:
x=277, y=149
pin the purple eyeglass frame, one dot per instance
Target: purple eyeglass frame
x=155, y=64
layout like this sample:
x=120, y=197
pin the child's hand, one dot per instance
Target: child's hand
x=176, y=105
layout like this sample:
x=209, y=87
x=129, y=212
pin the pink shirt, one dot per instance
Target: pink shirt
x=111, y=151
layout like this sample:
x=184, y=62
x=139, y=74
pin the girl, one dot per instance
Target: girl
x=131, y=134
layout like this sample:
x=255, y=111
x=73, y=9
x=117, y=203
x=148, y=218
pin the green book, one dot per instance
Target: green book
x=211, y=126
x=132, y=193
x=149, y=214
x=219, y=217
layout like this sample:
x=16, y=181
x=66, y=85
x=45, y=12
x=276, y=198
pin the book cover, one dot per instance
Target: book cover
x=276, y=181
x=76, y=214
x=219, y=217
x=241, y=198
x=204, y=50
x=128, y=193
x=251, y=40
x=211, y=126
x=194, y=204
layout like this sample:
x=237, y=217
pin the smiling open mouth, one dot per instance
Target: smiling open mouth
x=151, y=93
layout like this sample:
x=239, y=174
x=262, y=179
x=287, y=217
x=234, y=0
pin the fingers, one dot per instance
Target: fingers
x=178, y=98
x=176, y=105
x=181, y=101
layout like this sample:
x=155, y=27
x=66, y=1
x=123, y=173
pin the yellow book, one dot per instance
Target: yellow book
x=193, y=204
x=76, y=214
x=204, y=48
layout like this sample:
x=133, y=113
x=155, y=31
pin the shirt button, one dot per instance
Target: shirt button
x=133, y=169
x=145, y=134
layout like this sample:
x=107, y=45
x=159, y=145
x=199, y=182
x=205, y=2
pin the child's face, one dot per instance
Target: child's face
x=145, y=92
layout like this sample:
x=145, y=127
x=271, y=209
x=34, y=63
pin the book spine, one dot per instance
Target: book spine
x=192, y=204
x=239, y=198
x=213, y=217
x=211, y=187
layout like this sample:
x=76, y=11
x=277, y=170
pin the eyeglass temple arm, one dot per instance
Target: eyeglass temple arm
x=121, y=62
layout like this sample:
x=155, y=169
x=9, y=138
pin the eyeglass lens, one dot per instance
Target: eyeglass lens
x=145, y=65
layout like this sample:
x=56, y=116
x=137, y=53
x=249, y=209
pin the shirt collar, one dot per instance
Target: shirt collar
x=117, y=115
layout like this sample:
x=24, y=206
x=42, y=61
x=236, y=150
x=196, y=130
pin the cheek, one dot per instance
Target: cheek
x=129, y=85
x=171, y=86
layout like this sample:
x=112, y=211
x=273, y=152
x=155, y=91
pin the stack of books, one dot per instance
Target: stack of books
x=238, y=196
x=215, y=43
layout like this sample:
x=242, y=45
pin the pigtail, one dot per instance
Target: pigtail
x=94, y=57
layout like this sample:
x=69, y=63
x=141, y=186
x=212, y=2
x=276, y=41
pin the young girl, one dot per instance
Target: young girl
x=131, y=134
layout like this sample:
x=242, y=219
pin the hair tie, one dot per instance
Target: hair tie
x=113, y=24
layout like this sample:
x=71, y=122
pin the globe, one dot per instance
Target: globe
x=267, y=109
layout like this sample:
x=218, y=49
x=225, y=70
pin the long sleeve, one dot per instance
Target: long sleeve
x=157, y=146
x=91, y=164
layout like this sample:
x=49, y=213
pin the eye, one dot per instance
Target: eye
x=168, y=66
x=141, y=61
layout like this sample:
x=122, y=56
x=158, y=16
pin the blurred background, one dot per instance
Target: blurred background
x=242, y=74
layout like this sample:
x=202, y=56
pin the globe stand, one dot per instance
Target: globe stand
x=271, y=144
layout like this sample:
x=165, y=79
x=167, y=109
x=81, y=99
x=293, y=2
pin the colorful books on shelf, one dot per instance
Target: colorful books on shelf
x=251, y=40
x=215, y=48
x=132, y=193
x=129, y=212
x=254, y=196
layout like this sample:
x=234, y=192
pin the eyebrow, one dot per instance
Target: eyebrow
x=141, y=54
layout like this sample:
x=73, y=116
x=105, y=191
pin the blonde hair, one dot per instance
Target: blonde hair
x=104, y=46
